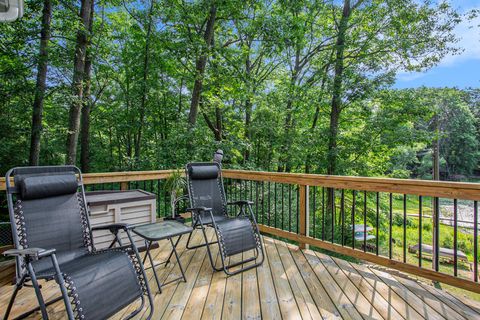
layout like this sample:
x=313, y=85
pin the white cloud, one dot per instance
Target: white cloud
x=468, y=33
x=409, y=76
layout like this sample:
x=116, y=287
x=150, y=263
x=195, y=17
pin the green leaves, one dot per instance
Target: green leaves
x=268, y=85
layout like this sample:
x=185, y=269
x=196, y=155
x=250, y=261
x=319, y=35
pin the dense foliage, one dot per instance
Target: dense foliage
x=278, y=85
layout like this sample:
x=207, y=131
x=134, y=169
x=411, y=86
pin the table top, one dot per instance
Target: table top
x=161, y=230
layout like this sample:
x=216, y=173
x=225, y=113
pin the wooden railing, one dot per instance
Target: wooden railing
x=326, y=211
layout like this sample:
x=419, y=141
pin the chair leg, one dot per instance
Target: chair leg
x=18, y=286
x=38, y=293
x=136, y=311
x=209, y=252
x=144, y=275
x=63, y=289
x=189, y=247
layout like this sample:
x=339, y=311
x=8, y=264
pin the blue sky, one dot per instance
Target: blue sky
x=461, y=70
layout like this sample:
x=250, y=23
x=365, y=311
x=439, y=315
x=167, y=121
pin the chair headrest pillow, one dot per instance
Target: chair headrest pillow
x=44, y=186
x=203, y=172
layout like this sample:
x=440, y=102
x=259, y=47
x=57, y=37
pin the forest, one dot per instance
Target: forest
x=279, y=85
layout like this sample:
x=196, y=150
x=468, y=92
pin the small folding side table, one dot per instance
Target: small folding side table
x=154, y=232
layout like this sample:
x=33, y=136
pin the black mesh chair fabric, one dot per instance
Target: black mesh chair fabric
x=54, y=222
x=236, y=235
x=205, y=185
x=102, y=283
x=206, y=190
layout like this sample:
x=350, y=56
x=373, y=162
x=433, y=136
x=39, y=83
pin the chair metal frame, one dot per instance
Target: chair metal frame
x=25, y=256
x=197, y=223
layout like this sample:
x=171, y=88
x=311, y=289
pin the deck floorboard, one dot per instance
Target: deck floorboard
x=291, y=284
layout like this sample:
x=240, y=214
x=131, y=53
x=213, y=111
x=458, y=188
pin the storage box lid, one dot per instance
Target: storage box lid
x=95, y=198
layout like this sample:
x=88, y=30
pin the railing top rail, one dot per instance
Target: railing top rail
x=444, y=189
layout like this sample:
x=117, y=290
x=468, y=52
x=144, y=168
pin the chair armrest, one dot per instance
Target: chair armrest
x=240, y=202
x=114, y=227
x=199, y=209
x=31, y=253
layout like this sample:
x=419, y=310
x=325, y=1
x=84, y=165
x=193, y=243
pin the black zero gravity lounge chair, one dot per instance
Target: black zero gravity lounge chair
x=234, y=234
x=53, y=240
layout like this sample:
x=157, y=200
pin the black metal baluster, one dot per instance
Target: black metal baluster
x=420, y=231
x=256, y=201
x=298, y=206
x=275, y=205
x=342, y=212
x=290, y=207
x=436, y=240
x=333, y=214
x=269, y=205
x=165, y=202
x=314, y=205
x=404, y=228
x=241, y=194
x=323, y=213
x=455, y=217
x=475, y=241
x=354, y=194
x=377, y=222
x=263, y=202
x=364, y=221
x=251, y=190
x=283, y=207
x=390, y=226
x=158, y=198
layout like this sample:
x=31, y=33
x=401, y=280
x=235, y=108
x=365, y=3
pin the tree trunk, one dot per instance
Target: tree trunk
x=315, y=119
x=40, y=86
x=85, y=124
x=77, y=83
x=285, y=162
x=200, y=67
x=336, y=105
x=248, y=131
x=218, y=118
x=336, y=108
x=143, y=101
x=248, y=107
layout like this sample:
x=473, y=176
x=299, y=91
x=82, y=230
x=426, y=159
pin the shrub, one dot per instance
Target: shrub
x=448, y=241
x=427, y=226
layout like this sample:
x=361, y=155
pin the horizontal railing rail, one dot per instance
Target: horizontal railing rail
x=390, y=222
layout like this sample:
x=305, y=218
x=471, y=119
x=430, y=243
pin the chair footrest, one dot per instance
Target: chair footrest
x=236, y=236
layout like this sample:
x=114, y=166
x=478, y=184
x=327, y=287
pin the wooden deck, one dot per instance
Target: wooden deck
x=291, y=284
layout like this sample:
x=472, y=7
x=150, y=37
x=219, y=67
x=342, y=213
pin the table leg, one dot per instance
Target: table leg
x=174, y=246
x=153, y=266
x=178, y=258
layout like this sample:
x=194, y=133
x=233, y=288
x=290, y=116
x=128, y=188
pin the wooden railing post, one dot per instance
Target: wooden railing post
x=304, y=214
x=124, y=186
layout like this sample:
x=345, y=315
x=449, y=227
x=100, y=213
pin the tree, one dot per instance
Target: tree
x=397, y=35
x=41, y=84
x=87, y=104
x=201, y=63
x=77, y=82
